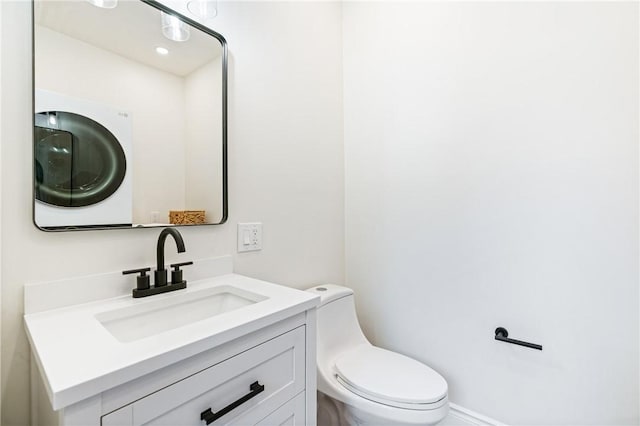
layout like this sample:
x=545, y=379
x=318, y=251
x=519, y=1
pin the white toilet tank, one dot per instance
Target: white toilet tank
x=338, y=326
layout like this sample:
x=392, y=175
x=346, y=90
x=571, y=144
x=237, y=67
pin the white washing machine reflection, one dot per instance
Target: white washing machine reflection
x=82, y=163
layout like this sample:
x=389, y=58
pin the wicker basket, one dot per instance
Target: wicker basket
x=186, y=217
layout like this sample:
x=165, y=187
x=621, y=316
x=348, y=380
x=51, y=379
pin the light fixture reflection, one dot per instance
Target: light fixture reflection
x=205, y=9
x=173, y=28
x=105, y=4
x=162, y=51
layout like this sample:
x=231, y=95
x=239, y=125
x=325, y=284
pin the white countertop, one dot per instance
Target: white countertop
x=79, y=358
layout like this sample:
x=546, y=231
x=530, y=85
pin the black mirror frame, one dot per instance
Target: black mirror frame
x=225, y=65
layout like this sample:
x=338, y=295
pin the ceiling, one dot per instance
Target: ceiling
x=132, y=29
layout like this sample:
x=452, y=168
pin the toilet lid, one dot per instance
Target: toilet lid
x=389, y=378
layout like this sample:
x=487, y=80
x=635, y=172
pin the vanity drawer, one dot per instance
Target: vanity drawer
x=290, y=414
x=278, y=365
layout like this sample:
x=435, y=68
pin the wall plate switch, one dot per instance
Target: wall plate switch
x=249, y=237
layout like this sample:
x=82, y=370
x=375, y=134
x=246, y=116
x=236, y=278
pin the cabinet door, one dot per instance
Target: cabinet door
x=290, y=414
x=278, y=365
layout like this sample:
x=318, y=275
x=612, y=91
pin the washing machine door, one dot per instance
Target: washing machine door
x=78, y=162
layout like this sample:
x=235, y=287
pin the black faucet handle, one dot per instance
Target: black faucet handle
x=177, y=266
x=176, y=274
x=141, y=271
x=142, y=280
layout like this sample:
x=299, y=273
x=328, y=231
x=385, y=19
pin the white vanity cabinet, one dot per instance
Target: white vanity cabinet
x=277, y=365
x=275, y=357
x=252, y=365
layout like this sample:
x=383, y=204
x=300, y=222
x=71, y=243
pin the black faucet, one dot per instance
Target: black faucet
x=161, y=272
x=160, y=286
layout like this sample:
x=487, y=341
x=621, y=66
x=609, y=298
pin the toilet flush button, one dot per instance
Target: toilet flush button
x=321, y=289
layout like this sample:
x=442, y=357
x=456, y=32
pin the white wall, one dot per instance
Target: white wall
x=157, y=117
x=491, y=157
x=285, y=156
x=203, y=174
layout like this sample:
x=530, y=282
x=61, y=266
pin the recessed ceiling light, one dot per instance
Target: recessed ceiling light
x=162, y=51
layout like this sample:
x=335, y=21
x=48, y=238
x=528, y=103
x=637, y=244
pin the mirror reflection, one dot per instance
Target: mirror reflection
x=129, y=117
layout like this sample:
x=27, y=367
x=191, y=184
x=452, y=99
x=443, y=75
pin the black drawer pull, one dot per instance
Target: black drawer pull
x=210, y=417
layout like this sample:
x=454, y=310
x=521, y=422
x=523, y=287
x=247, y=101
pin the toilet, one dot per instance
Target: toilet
x=361, y=384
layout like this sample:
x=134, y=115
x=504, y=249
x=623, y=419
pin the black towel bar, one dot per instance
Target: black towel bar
x=502, y=334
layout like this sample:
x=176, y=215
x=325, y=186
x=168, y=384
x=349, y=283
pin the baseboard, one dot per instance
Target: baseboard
x=459, y=416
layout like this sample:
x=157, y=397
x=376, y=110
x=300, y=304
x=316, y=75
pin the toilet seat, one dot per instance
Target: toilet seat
x=390, y=378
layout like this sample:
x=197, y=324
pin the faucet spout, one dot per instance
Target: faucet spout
x=161, y=273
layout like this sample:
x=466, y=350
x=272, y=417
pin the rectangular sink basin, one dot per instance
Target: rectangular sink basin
x=177, y=310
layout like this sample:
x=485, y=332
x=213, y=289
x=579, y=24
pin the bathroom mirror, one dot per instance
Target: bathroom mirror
x=129, y=117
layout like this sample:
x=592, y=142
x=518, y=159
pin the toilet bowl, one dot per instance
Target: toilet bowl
x=361, y=384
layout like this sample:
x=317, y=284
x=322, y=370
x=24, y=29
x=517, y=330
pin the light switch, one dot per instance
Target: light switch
x=249, y=237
